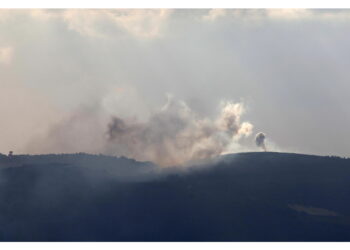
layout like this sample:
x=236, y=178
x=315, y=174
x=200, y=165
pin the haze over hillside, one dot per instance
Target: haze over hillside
x=101, y=81
x=238, y=197
x=169, y=107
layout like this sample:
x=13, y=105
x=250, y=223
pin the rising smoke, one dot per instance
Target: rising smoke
x=172, y=135
x=260, y=140
x=176, y=135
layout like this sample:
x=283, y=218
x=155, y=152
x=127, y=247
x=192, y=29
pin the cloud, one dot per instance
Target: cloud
x=151, y=23
x=140, y=23
x=6, y=55
x=214, y=14
x=274, y=14
x=45, y=14
x=288, y=13
x=84, y=22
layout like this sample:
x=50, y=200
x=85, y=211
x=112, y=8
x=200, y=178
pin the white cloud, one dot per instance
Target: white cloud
x=213, y=14
x=150, y=23
x=6, y=54
x=5, y=14
x=83, y=21
x=137, y=22
x=141, y=23
x=290, y=14
x=45, y=15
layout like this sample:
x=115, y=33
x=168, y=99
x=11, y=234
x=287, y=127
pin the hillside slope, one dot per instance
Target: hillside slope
x=238, y=197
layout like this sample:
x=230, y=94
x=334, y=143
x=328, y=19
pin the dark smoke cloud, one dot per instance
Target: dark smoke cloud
x=260, y=140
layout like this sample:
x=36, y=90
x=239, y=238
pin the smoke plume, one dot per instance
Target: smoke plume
x=260, y=140
x=176, y=135
x=172, y=135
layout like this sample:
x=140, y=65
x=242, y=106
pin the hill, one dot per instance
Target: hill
x=239, y=197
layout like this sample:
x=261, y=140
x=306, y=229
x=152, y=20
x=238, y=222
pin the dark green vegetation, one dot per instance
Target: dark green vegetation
x=238, y=197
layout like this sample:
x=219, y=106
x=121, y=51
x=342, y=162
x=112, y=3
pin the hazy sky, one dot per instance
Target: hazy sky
x=290, y=69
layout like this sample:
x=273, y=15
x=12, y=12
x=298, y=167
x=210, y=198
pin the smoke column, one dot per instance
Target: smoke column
x=260, y=140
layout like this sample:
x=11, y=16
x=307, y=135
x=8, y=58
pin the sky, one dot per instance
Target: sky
x=66, y=73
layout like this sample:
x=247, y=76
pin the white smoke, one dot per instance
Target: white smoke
x=176, y=135
x=172, y=135
x=260, y=140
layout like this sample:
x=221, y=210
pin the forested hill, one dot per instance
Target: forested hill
x=238, y=197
